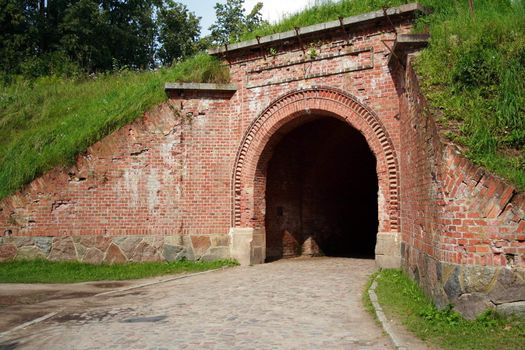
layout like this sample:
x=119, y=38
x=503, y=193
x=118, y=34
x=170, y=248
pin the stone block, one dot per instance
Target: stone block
x=388, y=262
x=127, y=244
x=114, y=255
x=217, y=253
x=388, y=243
x=177, y=240
x=145, y=252
x=63, y=248
x=100, y=242
x=509, y=309
x=200, y=244
x=93, y=256
x=171, y=252
x=44, y=244
x=241, y=240
x=156, y=241
x=452, y=286
x=478, y=278
x=471, y=305
x=220, y=241
x=388, y=250
x=508, y=288
x=23, y=241
x=7, y=252
x=29, y=253
x=186, y=254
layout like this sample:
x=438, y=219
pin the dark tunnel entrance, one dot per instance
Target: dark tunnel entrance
x=321, y=193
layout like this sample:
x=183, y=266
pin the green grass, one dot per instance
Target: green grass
x=43, y=271
x=473, y=73
x=401, y=298
x=322, y=12
x=47, y=122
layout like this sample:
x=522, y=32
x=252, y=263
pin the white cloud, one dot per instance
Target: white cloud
x=274, y=10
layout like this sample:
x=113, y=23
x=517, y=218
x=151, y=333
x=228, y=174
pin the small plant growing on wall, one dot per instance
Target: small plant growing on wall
x=272, y=51
x=312, y=53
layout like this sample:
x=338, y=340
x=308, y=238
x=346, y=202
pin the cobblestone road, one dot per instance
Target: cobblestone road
x=292, y=304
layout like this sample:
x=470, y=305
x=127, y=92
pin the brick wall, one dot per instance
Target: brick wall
x=188, y=171
x=462, y=228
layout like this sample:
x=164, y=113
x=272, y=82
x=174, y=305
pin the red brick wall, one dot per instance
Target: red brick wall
x=452, y=209
x=188, y=166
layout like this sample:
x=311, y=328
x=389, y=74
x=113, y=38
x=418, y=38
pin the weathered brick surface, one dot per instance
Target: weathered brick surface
x=174, y=183
x=192, y=166
x=454, y=214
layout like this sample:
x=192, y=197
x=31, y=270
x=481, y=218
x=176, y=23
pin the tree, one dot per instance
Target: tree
x=254, y=18
x=82, y=34
x=131, y=31
x=179, y=31
x=232, y=21
x=18, y=33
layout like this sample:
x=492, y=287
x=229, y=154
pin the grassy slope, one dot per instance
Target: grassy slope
x=474, y=78
x=473, y=75
x=48, y=122
x=402, y=298
x=473, y=72
x=41, y=271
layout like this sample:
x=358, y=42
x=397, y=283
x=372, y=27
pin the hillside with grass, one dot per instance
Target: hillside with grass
x=47, y=122
x=473, y=75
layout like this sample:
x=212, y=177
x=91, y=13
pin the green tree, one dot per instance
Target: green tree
x=18, y=33
x=131, y=32
x=82, y=34
x=179, y=31
x=232, y=21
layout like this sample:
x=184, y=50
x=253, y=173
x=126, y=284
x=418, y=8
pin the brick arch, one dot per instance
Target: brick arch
x=291, y=107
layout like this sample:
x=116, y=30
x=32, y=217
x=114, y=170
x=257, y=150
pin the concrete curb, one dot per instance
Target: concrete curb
x=29, y=323
x=398, y=344
x=159, y=282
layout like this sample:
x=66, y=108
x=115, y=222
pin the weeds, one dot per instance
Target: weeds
x=401, y=298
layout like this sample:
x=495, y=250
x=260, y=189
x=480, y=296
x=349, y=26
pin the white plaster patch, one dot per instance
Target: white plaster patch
x=131, y=185
x=153, y=188
x=382, y=213
x=166, y=151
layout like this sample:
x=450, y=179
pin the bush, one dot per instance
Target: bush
x=55, y=63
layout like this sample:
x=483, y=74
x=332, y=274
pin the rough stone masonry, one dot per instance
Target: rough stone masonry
x=321, y=145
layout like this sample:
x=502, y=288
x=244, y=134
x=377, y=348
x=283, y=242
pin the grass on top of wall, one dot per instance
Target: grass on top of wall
x=402, y=299
x=473, y=72
x=44, y=271
x=321, y=11
x=47, y=122
x=473, y=75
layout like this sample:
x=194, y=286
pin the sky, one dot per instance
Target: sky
x=272, y=10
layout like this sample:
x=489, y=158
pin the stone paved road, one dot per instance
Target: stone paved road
x=291, y=304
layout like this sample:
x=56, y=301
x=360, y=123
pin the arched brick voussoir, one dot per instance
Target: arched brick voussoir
x=301, y=103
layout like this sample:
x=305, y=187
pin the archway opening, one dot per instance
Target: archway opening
x=321, y=192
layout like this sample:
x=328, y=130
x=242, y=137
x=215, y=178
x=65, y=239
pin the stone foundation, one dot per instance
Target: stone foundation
x=107, y=249
x=248, y=245
x=471, y=289
x=388, y=250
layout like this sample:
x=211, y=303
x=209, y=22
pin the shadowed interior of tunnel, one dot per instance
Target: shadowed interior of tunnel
x=321, y=193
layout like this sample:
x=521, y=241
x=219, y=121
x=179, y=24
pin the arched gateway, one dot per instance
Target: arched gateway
x=287, y=113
